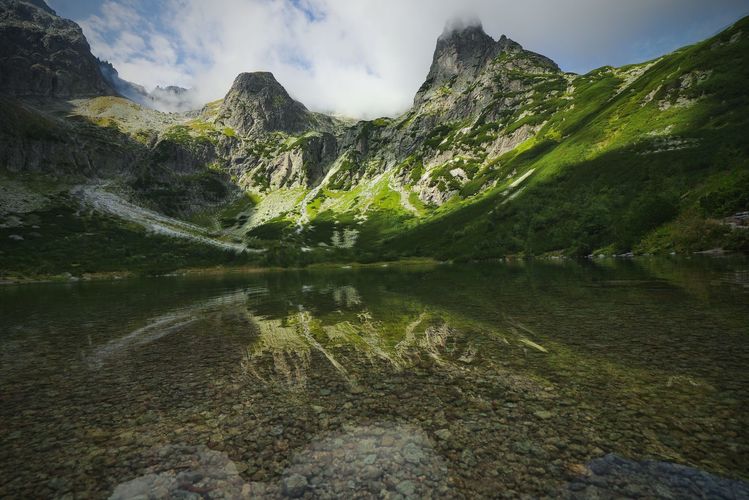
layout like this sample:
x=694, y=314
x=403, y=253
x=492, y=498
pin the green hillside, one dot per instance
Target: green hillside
x=645, y=158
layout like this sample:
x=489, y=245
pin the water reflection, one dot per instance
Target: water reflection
x=456, y=381
x=346, y=296
x=357, y=343
x=351, y=341
x=288, y=343
x=171, y=322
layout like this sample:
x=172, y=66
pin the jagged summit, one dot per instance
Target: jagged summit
x=463, y=50
x=172, y=89
x=257, y=102
x=257, y=81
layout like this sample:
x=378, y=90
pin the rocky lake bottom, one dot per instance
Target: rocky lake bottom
x=602, y=379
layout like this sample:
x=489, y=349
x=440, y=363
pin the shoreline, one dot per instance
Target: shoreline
x=67, y=278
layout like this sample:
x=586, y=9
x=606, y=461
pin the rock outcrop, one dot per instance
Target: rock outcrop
x=459, y=54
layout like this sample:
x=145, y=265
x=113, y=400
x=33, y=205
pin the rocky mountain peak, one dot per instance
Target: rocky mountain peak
x=257, y=82
x=460, y=51
x=464, y=50
x=471, y=30
x=42, y=54
x=257, y=102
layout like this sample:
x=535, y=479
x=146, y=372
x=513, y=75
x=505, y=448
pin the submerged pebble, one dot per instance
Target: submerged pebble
x=231, y=391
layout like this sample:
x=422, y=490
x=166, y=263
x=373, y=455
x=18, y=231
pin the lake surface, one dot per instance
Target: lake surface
x=545, y=378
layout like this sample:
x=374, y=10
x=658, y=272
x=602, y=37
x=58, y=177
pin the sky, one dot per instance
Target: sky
x=367, y=58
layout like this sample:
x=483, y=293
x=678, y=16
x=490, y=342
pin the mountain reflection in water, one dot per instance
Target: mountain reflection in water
x=558, y=379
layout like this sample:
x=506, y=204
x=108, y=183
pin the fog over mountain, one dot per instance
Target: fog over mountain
x=367, y=58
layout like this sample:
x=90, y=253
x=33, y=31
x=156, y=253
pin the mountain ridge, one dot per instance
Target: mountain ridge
x=484, y=164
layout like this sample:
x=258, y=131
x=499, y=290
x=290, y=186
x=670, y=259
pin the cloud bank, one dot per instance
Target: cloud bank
x=367, y=58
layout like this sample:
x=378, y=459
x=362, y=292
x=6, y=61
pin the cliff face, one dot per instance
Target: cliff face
x=44, y=55
x=469, y=69
x=459, y=55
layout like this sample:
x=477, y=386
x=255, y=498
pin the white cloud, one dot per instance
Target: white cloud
x=367, y=58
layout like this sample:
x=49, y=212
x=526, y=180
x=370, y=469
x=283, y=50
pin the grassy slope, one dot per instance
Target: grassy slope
x=602, y=179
